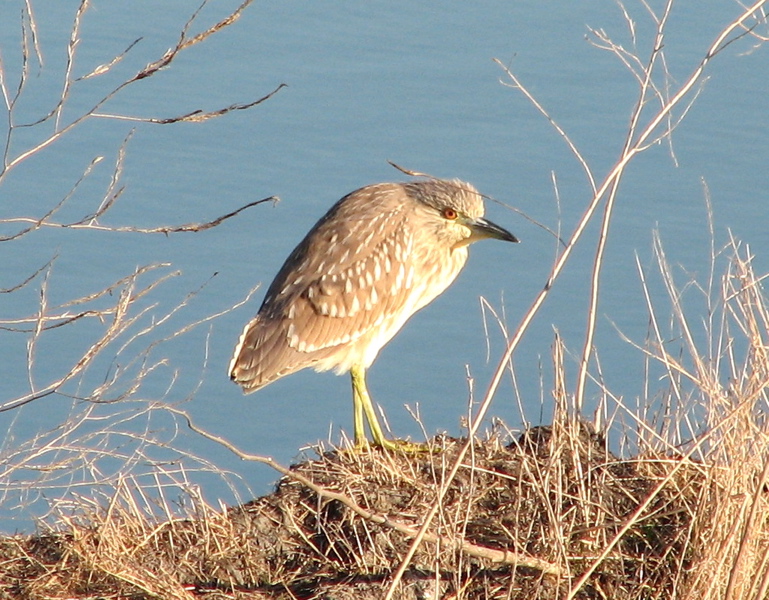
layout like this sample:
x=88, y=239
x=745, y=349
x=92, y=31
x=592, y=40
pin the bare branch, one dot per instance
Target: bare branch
x=74, y=40
x=151, y=69
x=92, y=225
x=18, y=286
x=516, y=84
x=104, y=68
x=196, y=116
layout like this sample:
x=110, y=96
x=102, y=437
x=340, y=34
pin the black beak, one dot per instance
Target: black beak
x=483, y=228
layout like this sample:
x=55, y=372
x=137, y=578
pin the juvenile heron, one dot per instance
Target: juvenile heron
x=378, y=255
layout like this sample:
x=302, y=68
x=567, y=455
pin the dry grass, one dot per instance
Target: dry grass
x=724, y=379
x=519, y=521
x=551, y=514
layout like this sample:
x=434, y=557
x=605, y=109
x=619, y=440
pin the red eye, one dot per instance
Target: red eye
x=450, y=214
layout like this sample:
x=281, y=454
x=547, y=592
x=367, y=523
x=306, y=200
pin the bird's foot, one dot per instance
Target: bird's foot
x=403, y=446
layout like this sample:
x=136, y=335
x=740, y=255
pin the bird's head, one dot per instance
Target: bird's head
x=454, y=209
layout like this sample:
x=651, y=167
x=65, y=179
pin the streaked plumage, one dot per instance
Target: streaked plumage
x=379, y=255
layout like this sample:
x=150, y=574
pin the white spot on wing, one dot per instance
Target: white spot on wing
x=293, y=337
x=399, y=278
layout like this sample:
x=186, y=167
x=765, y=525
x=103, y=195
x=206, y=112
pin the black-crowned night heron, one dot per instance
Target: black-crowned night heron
x=379, y=255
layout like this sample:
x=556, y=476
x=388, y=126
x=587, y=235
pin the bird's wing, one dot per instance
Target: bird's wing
x=338, y=285
x=360, y=282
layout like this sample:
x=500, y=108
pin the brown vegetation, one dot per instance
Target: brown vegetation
x=551, y=514
x=519, y=521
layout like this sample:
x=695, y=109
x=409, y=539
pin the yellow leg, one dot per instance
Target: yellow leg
x=363, y=407
x=358, y=380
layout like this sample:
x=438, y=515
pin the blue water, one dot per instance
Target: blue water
x=414, y=84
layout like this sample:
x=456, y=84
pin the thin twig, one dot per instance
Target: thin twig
x=164, y=229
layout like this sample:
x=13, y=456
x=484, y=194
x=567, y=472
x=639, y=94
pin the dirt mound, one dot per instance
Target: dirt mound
x=520, y=520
